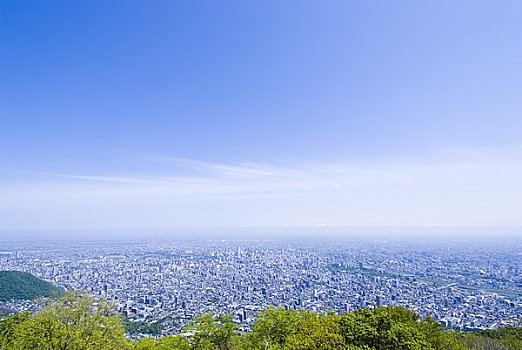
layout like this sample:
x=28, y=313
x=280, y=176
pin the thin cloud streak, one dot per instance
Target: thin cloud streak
x=481, y=190
x=224, y=170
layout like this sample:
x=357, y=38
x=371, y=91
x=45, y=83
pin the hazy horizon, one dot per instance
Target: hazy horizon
x=410, y=233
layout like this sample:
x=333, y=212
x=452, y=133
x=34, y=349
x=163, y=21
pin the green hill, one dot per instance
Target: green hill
x=23, y=285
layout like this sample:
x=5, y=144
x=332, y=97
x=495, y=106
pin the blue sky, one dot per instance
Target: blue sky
x=138, y=114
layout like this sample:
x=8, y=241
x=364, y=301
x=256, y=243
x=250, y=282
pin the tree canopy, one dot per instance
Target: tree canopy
x=78, y=321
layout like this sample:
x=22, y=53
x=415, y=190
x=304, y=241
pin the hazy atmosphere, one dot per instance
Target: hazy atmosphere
x=261, y=175
x=204, y=114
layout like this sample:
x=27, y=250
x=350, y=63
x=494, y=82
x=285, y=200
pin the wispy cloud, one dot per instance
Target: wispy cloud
x=475, y=188
x=224, y=170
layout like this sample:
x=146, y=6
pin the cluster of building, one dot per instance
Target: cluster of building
x=463, y=285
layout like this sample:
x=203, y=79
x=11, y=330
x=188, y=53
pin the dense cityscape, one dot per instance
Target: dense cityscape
x=463, y=285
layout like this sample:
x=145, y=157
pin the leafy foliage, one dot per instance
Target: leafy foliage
x=75, y=322
x=296, y=330
x=172, y=342
x=22, y=285
x=395, y=328
x=81, y=322
x=508, y=338
x=9, y=327
x=212, y=332
x=503, y=333
x=142, y=327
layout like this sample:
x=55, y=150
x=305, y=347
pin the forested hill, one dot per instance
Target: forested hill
x=23, y=285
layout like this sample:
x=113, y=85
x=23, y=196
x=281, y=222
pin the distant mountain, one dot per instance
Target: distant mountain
x=23, y=285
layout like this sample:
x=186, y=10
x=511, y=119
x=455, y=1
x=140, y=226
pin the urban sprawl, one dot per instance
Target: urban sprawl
x=464, y=285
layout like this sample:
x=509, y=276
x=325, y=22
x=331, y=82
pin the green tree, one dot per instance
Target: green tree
x=297, y=330
x=477, y=342
x=146, y=344
x=77, y=321
x=8, y=328
x=438, y=338
x=273, y=326
x=174, y=342
x=315, y=331
x=508, y=338
x=385, y=328
x=212, y=332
